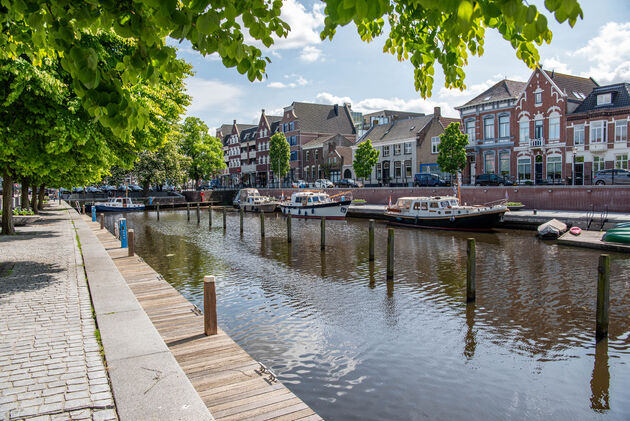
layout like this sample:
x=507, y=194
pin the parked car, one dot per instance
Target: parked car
x=323, y=183
x=107, y=188
x=347, y=182
x=493, y=180
x=300, y=184
x=92, y=189
x=616, y=176
x=428, y=179
x=76, y=190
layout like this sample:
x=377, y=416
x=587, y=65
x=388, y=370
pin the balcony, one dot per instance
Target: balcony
x=598, y=147
x=537, y=143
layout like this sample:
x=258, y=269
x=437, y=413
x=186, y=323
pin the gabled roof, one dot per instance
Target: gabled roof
x=322, y=118
x=248, y=134
x=318, y=141
x=224, y=129
x=396, y=130
x=504, y=89
x=391, y=113
x=620, y=98
x=571, y=85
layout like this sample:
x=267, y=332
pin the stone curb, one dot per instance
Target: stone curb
x=147, y=382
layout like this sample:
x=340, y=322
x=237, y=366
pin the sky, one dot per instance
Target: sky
x=346, y=69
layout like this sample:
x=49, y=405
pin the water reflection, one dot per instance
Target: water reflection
x=521, y=351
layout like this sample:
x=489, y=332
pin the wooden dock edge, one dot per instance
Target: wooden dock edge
x=230, y=382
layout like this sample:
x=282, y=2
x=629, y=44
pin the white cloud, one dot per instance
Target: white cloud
x=608, y=53
x=555, y=64
x=311, y=54
x=297, y=81
x=208, y=95
x=370, y=105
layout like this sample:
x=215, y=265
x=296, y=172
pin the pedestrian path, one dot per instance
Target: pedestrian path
x=50, y=360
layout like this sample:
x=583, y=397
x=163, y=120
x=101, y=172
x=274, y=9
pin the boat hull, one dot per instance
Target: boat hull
x=334, y=210
x=482, y=221
x=266, y=208
x=104, y=208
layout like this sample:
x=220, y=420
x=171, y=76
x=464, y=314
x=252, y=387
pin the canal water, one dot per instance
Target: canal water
x=354, y=346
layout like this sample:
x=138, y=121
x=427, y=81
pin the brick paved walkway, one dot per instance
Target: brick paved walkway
x=50, y=362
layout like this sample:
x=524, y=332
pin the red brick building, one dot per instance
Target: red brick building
x=267, y=126
x=325, y=156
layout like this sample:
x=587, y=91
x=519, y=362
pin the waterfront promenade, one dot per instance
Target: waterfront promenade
x=50, y=362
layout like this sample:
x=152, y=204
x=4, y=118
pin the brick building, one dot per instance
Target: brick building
x=267, y=126
x=325, y=157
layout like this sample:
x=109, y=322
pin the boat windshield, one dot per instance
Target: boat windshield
x=315, y=198
x=444, y=204
x=454, y=203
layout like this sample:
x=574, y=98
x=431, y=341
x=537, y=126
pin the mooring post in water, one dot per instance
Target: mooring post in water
x=289, y=218
x=188, y=211
x=224, y=218
x=262, y=224
x=371, y=241
x=102, y=221
x=471, y=270
x=198, y=214
x=209, y=306
x=603, y=290
x=123, y=233
x=241, y=212
x=390, y=253
x=209, y=216
x=131, y=238
x=323, y=230
x=158, y=211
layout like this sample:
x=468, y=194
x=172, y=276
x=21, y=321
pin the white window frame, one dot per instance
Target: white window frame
x=604, y=99
x=386, y=150
x=523, y=130
x=486, y=128
x=470, y=131
x=522, y=163
x=407, y=148
x=397, y=149
x=599, y=163
x=486, y=161
x=556, y=161
x=597, y=131
x=538, y=98
x=621, y=161
x=503, y=154
x=621, y=130
x=554, y=128
x=578, y=134
x=435, y=143
x=504, y=126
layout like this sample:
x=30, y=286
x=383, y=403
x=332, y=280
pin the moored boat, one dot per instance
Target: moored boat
x=315, y=204
x=617, y=235
x=119, y=204
x=250, y=200
x=444, y=212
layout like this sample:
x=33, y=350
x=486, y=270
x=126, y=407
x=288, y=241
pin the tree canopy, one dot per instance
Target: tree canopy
x=279, y=155
x=205, y=151
x=166, y=164
x=365, y=158
x=452, y=149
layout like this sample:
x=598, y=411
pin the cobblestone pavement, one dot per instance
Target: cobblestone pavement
x=50, y=362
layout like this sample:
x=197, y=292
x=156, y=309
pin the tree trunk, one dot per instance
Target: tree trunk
x=24, y=200
x=42, y=193
x=7, y=204
x=34, y=207
x=145, y=189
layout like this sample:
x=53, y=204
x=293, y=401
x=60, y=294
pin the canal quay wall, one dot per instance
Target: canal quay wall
x=569, y=198
x=229, y=381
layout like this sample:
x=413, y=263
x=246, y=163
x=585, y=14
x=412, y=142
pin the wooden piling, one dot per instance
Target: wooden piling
x=289, y=218
x=371, y=241
x=209, y=216
x=102, y=218
x=603, y=291
x=198, y=214
x=158, y=211
x=471, y=270
x=323, y=230
x=262, y=224
x=83, y=209
x=390, y=253
x=188, y=211
x=224, y=218
x=209, y=306
x=131, y=238
x=241, y=212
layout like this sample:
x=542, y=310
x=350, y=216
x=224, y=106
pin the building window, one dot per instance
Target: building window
x=397, y=170
x=504, y=126
x=470, y=131
x=554, y=128
x=621, y=131
x=385, y=150
x=504, y=163
x=488, y=128
x=598, y=163
x=604, y=99
x=554, y=167
x=597, y=132
x=307, y=155
x=378, y=171
x=291, y=126
x=538, y=129
x=524, y=169
x=316, y=154
x=408, y=169
x=407, y=148
x=294, y=156
x=488, y=163
x=284, y=127
x=538, y=98
x=435, y=144
x=621, y=161
x=397, y=149
x=523, y=131
x=578, y=134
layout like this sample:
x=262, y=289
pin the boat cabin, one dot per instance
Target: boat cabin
x=437, y=205
x=120, y=202
x=308, y=198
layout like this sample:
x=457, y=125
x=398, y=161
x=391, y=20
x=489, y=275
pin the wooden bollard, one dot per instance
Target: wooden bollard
x=158, y=211
x=188, y=211
x=390, y=253
x=471, y=270
x=603, y=292
x=224, y=218
x=198, y=214
x=241, y=212
x=209, y=216
x=371, y=241
x=323, y=230
x=262, y=224
x=289, y=218
x=131, y=241
x=83, y=209
x=209, y=306
x=102, y=218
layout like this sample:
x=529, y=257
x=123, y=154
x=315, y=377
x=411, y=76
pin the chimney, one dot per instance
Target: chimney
x=235, y=122
x=336, y=109
x=436, y=112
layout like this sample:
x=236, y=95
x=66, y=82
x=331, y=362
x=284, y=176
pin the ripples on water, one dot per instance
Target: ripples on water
x=354, y=346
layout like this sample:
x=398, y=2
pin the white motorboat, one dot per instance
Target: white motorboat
x=315, y=204
x=119, y=204
x=250, y=200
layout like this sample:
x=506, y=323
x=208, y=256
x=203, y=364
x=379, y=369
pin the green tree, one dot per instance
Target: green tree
x=452, y=150
x=205, y=151
x=166, y=164
x=279, y=156
x=365, y=158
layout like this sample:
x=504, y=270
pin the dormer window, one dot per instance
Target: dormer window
x=538, y=98
x=604, y=99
